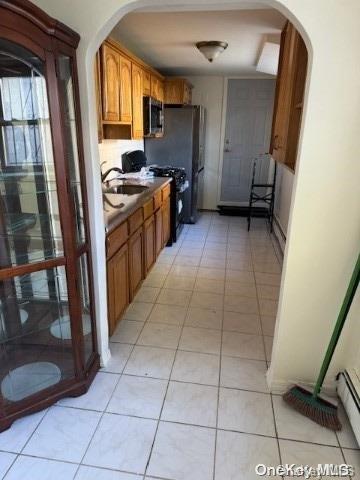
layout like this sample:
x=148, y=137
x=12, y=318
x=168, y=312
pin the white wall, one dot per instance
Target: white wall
x=323, y=239
x=208, y=91
x=110, y=151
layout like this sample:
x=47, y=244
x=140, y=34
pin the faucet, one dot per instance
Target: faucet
x=115, y=169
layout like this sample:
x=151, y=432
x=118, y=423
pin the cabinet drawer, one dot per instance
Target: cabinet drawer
x=135, y=221
x=166, y=192
x=157, y=200
x=148, y=209
x=116, y=239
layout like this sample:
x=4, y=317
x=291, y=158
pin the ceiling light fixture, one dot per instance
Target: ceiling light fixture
x=211, y=49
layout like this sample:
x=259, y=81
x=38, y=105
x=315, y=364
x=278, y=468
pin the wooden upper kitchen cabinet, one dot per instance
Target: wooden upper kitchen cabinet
x=118, y=286
x=157, y=88
x=137, y=102
x=125, y=90
x=289, y=95
x=178, y=91
x=146, y=83
x=110, y=66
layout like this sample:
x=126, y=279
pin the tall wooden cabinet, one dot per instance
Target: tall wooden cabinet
x=137, y=101
x=110, y=84
x=289, y=97
x=125, y=90
x=48, y=347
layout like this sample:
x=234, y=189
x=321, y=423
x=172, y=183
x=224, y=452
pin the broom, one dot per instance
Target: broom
x=308, y=402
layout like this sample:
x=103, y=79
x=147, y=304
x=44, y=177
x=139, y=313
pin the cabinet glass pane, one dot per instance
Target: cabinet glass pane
x=35, y=335
x=30, y=228
x=66, y=89
x=85, y=307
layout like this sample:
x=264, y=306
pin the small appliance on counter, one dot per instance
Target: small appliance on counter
x=136, y=160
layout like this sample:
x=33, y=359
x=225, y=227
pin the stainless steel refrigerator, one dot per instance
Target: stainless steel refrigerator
x=182, y=146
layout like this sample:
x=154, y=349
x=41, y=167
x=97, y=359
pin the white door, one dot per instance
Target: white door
x=247, y=133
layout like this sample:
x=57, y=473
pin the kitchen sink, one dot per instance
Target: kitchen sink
x=126, y=189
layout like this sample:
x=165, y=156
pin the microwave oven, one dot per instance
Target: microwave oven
x=153, y=117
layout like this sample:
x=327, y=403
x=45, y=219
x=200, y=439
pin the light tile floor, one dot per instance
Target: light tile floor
x=184, y=396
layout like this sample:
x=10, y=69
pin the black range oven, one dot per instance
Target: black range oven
x=178, y=187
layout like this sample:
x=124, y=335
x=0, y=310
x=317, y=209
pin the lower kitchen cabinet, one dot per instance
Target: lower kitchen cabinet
x=118, y=285
x=132, y=249
x=136, y=256
x=149, y=243
x=166, y=221
x=158, y=231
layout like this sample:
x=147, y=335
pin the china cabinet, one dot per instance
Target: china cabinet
x=47, y=323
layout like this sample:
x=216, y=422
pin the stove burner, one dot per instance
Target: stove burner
x=178, y=174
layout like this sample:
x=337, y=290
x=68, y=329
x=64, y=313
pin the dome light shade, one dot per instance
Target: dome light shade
x=211, y=49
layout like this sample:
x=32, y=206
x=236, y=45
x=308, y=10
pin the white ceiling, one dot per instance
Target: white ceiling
x=166, y=39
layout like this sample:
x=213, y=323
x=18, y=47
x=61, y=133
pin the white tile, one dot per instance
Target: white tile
x=268, y=347
x=240, y=276
x=268, y=307
x=191, y=260
x=122, y=443
x=127, y=331
x=154, y=279
x=169, y=314
x=294, y=426
x=93, y=473
x=97, y=396
x=244, y=411
x=201, y=340
x=268, y=324
x=242, y=322
x=139, y=396
x=63, y=434
x=207, y=300
x=147, y=294
x=267, y=278
x=120, y=353
x=6, y=459
x=204, y=318
x=169, y=296
x=160, y=335
x=241, y=289
x=184, y=271
x=300, y=453
x=191, y=404
x=14, y=439
x=267, y=267
x=352, y=457
x=182, y=283
x=183, y=452
x=213, y=262
x=237, y=455
x=196, y=367
x=268, y=291
x=235, y=303
x=244, y=374
x=161, y=268
x=150, y=361
x=209, y=285
x=240, y=264
x=190, y=252
x=242, y=345
x=346, y=435
x=138, y=311
x=211, y=273
x=30, y=468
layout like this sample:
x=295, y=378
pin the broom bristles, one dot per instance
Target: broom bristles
x=317, y=409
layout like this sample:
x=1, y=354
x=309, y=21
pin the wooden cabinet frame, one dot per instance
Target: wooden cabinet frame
x=22, y=23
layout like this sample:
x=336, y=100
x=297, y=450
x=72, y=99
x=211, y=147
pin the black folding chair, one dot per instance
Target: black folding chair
x=262, y=192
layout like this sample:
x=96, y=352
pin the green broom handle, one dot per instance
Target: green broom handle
x=350, y=293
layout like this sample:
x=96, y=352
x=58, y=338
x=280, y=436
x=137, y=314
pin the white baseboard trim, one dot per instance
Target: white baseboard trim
x=279, y=387
x=350, y=398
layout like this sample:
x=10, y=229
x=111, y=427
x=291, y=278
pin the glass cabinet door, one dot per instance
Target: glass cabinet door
x=35, y=330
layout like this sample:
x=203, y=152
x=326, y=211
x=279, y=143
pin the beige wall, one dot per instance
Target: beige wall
x=323, y=239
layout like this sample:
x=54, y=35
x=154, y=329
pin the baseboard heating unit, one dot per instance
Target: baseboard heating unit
x=349, y=391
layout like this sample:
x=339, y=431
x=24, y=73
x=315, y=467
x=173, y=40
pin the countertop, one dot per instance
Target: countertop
x=118, y=207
